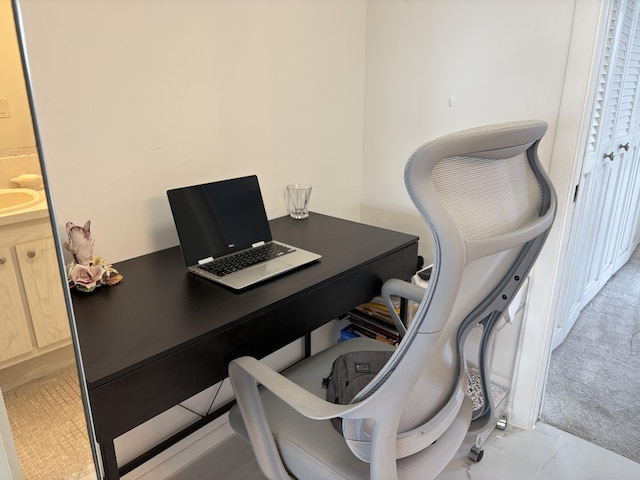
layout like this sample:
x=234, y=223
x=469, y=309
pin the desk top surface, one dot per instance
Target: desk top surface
x=159, y=307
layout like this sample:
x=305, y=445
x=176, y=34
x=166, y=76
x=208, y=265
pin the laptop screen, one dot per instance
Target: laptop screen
x=219, y=218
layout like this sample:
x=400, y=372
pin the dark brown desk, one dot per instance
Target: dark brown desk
x=163, y=335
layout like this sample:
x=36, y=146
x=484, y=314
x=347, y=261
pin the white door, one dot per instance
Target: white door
x=624, y=145
x=630, y=173
x=631, y=211
x=606, y=204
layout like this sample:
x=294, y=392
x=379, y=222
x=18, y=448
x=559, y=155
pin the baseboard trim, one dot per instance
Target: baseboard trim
x=35, y=367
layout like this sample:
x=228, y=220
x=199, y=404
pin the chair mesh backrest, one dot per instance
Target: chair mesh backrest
x=488, y=197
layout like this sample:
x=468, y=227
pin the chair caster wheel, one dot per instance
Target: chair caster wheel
x=476, y=454
x=502, y=423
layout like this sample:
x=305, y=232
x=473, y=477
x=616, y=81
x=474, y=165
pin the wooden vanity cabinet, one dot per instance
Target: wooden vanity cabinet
x=14, y=324
x=33, y=316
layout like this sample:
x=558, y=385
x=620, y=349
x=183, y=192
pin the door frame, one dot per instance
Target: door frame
x=570, y=140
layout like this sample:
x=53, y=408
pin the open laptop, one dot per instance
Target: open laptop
x=218, y=221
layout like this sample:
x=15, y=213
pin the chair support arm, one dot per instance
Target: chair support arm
x=402, y=289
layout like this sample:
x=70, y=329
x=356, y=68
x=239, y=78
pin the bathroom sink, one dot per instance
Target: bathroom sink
x=14, y=199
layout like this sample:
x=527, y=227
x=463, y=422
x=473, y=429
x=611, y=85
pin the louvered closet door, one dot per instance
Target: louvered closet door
x=627, y=205
x=605, y=171
x=617, y=147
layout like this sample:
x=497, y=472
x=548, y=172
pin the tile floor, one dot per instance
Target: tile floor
x=539, y=454
x=544, y=453
x=49, y=427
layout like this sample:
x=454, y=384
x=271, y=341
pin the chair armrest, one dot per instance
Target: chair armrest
x=402, y=289
x=299, y=398
x=244, y=374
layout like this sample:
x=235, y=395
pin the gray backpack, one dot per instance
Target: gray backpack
x=350, y=373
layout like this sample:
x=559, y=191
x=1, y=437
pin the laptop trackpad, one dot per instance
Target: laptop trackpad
x=269, y=268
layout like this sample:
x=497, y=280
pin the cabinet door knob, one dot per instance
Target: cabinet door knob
x=625, y=146
x=31, y=253
x=609, y=156
x=3, y=260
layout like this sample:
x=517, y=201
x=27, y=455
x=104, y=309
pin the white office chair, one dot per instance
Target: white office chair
x=489, y=206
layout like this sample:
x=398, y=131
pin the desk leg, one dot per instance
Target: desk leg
x=404, y=310
x=109, y=461
x=307, y=345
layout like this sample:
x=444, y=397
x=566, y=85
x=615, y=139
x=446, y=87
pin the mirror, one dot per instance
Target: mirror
x=39, y=379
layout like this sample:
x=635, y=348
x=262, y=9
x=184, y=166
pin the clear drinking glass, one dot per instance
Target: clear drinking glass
x=298, y=195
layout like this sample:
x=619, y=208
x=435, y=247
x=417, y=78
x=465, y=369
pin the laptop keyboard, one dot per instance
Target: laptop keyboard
x=233, y=263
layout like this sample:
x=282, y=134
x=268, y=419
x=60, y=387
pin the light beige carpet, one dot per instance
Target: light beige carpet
x=593, y=390
x=49, y=428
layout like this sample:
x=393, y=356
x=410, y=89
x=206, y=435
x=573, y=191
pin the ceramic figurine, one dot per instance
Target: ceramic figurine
x=86, y=272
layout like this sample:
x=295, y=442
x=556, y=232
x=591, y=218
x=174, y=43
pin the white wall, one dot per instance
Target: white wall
x=16, y=131
x=438, y=66
x=135, y=97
